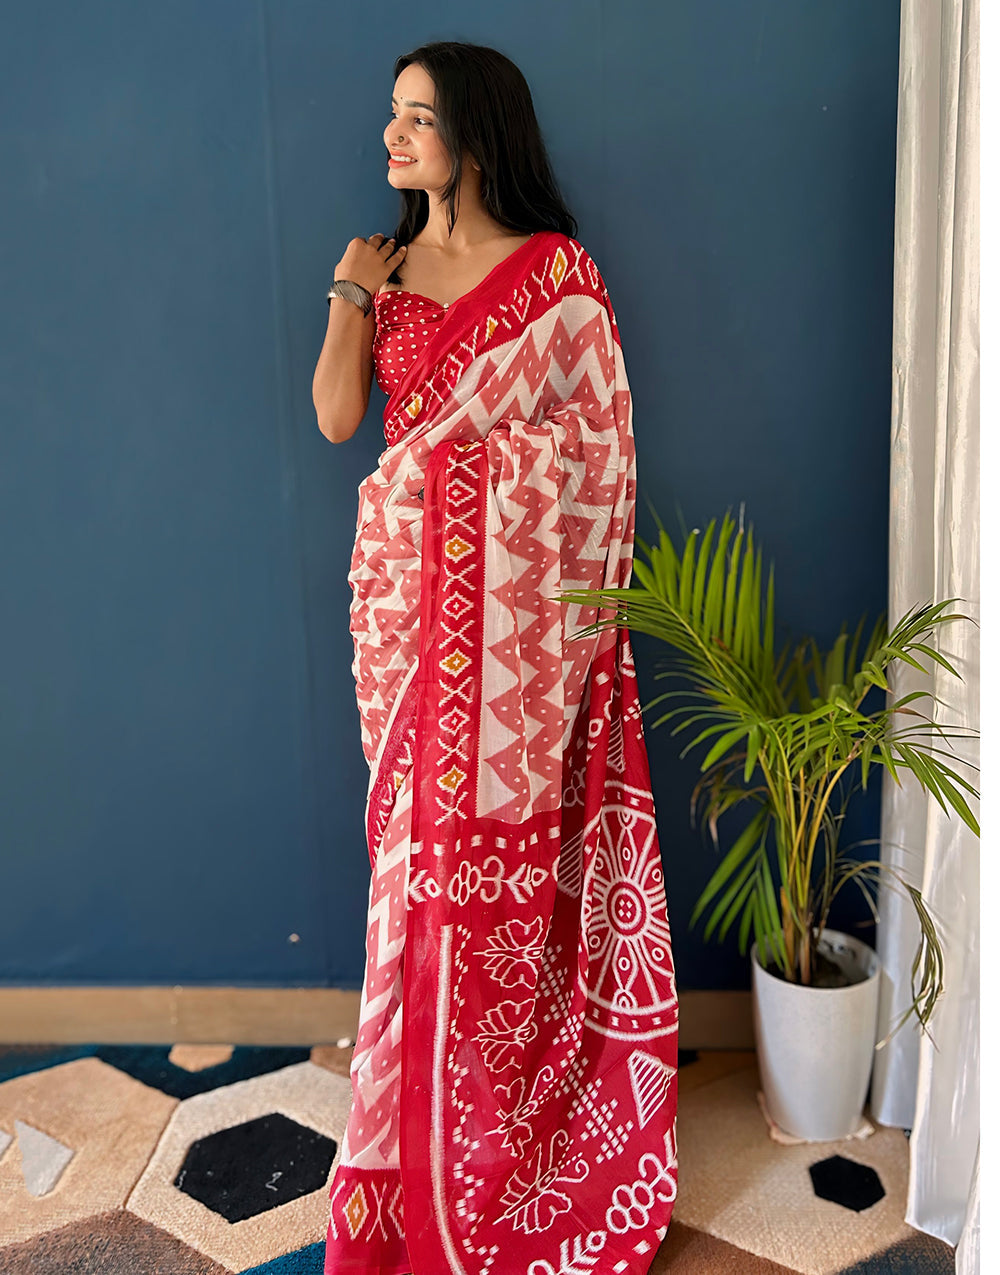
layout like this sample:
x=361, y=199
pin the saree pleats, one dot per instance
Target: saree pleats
x=515, y=1072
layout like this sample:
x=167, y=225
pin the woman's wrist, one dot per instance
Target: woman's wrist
x=340, y=305
x=353, y=292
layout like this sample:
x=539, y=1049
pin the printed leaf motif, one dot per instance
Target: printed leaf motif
x=504, y=1032
x=514, y=951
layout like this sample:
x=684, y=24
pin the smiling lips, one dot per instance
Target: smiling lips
x=400, y=159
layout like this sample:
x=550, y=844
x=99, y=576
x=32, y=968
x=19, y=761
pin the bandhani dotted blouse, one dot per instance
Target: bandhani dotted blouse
x=404, y=323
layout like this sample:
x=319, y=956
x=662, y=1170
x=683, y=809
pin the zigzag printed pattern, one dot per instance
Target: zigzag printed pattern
x=371, y=1140
x=559, y=394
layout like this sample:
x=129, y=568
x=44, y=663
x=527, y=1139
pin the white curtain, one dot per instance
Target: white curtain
x=930, y=1087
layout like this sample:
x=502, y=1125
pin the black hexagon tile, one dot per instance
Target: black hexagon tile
x=252, y=1167
x=846, y=1182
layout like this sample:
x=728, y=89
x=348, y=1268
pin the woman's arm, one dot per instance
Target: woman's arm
x=342, y=381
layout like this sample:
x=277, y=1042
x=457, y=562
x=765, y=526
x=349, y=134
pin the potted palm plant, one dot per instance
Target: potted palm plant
x=788, y=734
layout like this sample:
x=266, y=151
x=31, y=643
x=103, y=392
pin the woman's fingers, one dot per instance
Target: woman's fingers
x=389, y=243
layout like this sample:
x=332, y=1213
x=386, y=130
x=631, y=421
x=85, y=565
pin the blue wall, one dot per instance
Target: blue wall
x=182, y=777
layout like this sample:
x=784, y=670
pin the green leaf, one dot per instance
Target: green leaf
x=874, y=674
x=886, y=757
x=937, y=657
x=736, y=888
x=645, y=576
x=729, y=602
x=897, y=652
x=833, y=673
x=747, y=607
x=716, y=729
x=851, y=666
x=664, y=561
x=749, y=913
x=687, y=574
x=698, y=595
x=754, y=739
x=722, y=745
x=734, y=909
x=949, y=790
x=866, y=761
x=712, y=614
x=772, y=913
x=741, y=847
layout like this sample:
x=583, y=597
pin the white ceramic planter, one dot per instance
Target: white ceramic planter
x=816, y=1045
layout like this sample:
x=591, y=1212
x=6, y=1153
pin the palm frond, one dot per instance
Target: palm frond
x=787, y=729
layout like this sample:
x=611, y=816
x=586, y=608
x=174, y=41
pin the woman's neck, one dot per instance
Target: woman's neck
x=473, y=227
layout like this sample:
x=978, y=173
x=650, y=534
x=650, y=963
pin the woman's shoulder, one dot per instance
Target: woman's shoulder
x=572, y=247
x=557, y=239
x=578, y=259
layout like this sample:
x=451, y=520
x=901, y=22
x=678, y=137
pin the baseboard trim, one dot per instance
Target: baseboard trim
x=268, y=1016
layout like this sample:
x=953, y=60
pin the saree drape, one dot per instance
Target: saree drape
x=515, y=1070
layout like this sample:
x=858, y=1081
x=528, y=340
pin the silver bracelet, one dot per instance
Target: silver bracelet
x=350, y=291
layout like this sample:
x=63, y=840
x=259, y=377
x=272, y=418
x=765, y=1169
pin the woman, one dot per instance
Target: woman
x=514, y=1074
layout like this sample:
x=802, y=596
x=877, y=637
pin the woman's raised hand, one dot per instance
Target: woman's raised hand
x=369, y=261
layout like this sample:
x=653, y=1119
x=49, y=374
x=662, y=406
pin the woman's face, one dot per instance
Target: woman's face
x=412, y=131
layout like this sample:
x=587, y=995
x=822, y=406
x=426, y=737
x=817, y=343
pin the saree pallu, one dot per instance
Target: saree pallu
x=515, y=1070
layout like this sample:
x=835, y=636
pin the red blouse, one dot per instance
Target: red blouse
x=404, y=323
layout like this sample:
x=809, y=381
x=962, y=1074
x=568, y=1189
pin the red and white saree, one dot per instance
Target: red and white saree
x=515, y=1071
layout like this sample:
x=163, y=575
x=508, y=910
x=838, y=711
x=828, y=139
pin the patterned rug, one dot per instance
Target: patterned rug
x=214, y=1159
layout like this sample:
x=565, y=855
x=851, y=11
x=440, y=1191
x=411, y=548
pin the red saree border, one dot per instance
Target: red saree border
x=366, y=1221
x=448, y=691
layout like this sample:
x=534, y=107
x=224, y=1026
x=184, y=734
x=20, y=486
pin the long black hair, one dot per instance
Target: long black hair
x=482, y=105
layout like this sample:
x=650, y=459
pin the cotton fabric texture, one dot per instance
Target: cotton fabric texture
x=514, y=1079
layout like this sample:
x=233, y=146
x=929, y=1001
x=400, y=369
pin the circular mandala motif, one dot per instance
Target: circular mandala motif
x=631, y=992
x=627, y=908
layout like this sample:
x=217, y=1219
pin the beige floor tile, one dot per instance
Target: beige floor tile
x=112, y=1123
x=737, y=1184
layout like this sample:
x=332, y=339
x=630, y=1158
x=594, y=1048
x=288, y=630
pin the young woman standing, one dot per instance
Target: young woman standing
x=514, y=1079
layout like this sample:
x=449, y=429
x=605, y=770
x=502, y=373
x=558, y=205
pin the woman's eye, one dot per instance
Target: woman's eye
x=419, y=118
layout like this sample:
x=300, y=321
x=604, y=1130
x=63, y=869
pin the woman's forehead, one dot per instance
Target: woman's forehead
x=414, y=84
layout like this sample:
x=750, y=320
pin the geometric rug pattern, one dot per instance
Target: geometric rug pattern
x=217, y=1160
